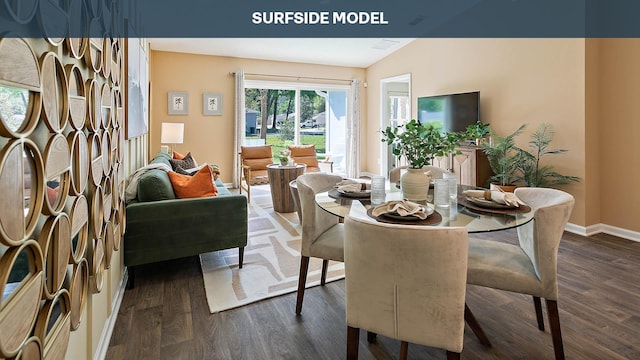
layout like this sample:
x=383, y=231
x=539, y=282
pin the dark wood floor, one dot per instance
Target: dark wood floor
x=166, y=315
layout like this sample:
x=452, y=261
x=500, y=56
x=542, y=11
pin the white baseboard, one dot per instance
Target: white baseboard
x=103, y=346
x=603, y=228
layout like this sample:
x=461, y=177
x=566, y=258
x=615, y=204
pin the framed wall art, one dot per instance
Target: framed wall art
x=211, y=104
x=178, y=103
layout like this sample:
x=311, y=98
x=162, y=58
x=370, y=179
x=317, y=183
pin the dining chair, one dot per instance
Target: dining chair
x=531, y=266
x=306, y=154
x=253, y=167
x=407, y=283
x=322, y=234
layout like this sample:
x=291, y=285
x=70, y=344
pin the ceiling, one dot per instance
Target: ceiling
x=357, y=52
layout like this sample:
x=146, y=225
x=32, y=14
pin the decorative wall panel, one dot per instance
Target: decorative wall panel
x=62, y=183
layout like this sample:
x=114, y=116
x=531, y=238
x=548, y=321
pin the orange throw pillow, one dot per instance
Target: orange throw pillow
x=199, y=185
x=178, y=156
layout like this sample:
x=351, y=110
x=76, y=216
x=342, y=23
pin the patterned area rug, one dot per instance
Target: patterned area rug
x=271, y=260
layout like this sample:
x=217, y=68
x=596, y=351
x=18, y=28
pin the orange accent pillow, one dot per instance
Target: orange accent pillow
x=199, y=185
x=178, y=156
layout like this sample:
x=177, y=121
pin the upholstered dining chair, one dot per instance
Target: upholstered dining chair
x=394, y=174
x=306, y=154
x=253, y=166
x=322, y=235
x=407, y=283
x=531, y=266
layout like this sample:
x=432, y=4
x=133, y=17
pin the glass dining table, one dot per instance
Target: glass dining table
x=459, y=213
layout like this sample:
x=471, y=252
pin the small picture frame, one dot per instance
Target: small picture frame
x=211, y=104
x=178, y=103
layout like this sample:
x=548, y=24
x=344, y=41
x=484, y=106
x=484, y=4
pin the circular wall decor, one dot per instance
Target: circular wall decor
x=107, y=201
x=106, y=57
x=93, y=55
x=95, y=158
x=56, y=249
x=55, y=94
x=54, y=20
x=22, y=199
x=108, y=243
x=77, y=99
x=106, y=105
x=57, y=170
x=19, y=310
x=54, y=325
x=78, y=289
x=94, y=106
x=78, y=26
x=80, y=164
x=79, y=217
x=96, y=216
x=19, y=80
x=20, y=11
x=31, y=350
x=96, y=266
x=106, y=152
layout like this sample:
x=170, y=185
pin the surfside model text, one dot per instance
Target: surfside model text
x=318, y=18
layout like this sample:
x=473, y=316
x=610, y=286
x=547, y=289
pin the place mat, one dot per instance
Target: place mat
x=433, y=219
x=462, y=200
x=335, y=194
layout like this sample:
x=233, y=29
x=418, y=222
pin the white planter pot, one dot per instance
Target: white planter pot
x=415, y=185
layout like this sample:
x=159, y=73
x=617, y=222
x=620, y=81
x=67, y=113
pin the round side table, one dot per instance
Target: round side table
x=279, y=178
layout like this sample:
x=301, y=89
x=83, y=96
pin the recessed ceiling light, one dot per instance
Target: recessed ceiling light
x=384, y=44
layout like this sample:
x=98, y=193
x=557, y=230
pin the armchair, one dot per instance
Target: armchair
x=253, y=166
x=306, y=154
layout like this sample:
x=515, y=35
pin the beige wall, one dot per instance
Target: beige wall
x=520, y=81
x=210, y=138
x=619, y=127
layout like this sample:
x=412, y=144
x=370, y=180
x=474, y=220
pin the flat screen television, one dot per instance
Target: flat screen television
x=450, y=112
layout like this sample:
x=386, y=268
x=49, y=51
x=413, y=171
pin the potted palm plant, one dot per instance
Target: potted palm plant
x=505, y=159
x=419, y=144
x=534, y=174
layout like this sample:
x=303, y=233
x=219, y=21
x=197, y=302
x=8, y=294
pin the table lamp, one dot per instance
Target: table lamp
x=171, y=133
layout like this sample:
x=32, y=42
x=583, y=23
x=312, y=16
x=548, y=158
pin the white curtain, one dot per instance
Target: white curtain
x=353, y=131
x=240, y=126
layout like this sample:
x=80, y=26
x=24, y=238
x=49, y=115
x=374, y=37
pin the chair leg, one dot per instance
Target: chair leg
x=325, y=266
x=453, y=355
x=302, y=281
x=353, y=337
x=240, y=256
x=554, y=324
x=475, y=326
x=538, y=305
x=404, y=350
x=131, y=277
x=372, y=337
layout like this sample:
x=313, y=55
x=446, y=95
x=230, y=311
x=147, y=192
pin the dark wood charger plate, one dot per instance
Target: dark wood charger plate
x=335, y=194
x=462, y=200
x=433, y=219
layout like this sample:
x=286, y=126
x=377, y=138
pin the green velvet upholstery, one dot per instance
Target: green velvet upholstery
x=170, y=228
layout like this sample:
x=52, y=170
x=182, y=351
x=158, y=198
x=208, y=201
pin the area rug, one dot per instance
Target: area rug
x=271, y=260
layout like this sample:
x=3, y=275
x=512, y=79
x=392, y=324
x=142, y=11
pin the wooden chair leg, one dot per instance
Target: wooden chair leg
x=131, y=277
x=554, y=325
x=475, y=326
x=372, y=337
x=538, y=306
x=404, y=350
x=302, y=281
x=240, y=256
x=353, y=337
x=325, y=266
x=453, y=355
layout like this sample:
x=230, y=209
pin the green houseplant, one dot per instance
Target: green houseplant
x=477, y=132
x=532, y=172
x=505, y=158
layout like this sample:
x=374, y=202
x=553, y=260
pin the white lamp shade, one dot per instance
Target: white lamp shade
x=172, y=133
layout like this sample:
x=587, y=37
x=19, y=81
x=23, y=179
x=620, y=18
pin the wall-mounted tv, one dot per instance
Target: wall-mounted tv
x=450, y=112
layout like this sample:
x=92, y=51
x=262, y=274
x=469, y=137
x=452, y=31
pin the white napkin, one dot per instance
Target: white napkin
x=352, y=186
x=402, y=208
x=506, y=198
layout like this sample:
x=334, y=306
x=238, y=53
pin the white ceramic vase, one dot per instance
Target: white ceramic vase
x=415, y=185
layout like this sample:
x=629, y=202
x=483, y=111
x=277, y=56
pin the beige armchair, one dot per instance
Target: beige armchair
x=322, y=235
x=306, y=154
x=407, y=283
x=531, y=266
x=253, y=166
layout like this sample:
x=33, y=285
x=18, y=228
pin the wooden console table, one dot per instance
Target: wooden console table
x=279, y=178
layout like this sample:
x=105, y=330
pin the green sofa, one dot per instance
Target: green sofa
x=161, y=227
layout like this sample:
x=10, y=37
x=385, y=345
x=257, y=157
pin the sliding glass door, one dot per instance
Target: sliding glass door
x=280, y=114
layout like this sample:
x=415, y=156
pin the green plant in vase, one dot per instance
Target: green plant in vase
x=477, y=132
x=504, y=157
x=532, y=172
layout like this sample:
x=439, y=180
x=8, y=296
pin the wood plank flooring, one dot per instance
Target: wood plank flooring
x=166, y=315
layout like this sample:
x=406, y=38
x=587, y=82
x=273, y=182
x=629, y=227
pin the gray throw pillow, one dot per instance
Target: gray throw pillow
x=186, y=163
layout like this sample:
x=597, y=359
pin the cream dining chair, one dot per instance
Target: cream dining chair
x=322, y=234
x=531, y=266
x=407, y=283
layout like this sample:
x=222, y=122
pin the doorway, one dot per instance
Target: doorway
x=395, y=100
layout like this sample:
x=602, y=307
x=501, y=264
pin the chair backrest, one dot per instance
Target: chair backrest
x=541, y=237
x=407, y=282
x=256, y=157
x=315, y=221
x=305, y=154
